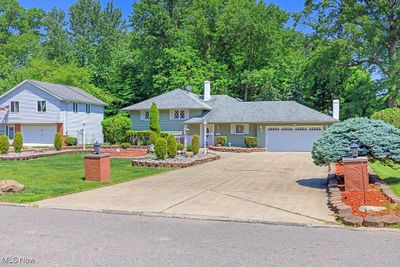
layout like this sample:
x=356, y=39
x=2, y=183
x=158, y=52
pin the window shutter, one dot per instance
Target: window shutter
x=233, y=130
x=187, y=114
x=246, y=129
x=171, y=114
x=142, y=112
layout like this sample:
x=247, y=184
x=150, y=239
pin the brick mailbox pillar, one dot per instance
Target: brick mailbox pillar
x=97, y=167
x=356, y=174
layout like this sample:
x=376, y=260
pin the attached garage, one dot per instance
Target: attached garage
x=288, y=139
x=38, y=134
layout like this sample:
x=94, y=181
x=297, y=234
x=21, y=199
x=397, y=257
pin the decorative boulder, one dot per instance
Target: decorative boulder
x=10, y=186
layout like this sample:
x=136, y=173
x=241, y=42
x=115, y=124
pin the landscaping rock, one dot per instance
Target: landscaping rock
x=10, y=186
x=344, y=213
x=371, y=209
x=343, y=208
x=390, y=219
x=353, y=220
x=373, y=221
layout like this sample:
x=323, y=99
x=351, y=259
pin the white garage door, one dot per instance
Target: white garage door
x=281, y=139
x=38, y=134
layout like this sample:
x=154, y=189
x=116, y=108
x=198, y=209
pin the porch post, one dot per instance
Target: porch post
x=184, y=136
x=205, y=137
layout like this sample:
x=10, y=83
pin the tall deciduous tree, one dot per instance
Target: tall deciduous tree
x=371, y=29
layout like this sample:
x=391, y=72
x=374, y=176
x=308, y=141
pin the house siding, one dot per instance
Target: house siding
x=166, y=124
x=235, y=139
x=56, y=112
x=73, y=122
x=28, y=95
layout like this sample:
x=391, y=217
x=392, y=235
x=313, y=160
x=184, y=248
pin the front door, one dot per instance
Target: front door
x=10, y=132
x=210, y=134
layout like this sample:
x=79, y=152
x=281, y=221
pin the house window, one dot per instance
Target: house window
x=41, y=106
x=88, y=108
x=75, y=107
x=239, y=129
x=14, y=106
x=179, y=114
x=145, y=115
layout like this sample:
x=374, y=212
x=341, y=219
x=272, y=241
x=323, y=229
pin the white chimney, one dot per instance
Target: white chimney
x=336, y=108
x=207, y=90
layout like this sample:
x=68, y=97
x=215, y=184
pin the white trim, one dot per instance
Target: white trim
x=26, y=81
x=172, y=114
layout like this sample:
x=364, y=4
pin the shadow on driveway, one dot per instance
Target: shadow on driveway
x=319, y=183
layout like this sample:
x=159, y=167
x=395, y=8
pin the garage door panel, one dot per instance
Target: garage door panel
x=301, y=139
x=38, y=134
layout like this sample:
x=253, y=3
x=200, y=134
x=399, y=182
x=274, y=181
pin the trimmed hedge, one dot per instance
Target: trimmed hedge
x=18, y=142
x=389, y=115
x=125, y=145
x=251, y=141
x=160, y=148
x=196, y=144
x=4, y=144
x=57, y=142
x=154, y=119
x=221, y=140
x=171, y=146
x=180, y=146
x=376, y=139
x=144, y=137
x=71, y=141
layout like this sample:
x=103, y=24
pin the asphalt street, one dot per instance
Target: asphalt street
x=51, y=237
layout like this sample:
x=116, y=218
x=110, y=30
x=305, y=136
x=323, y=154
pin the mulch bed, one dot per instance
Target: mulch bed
x=373, y=197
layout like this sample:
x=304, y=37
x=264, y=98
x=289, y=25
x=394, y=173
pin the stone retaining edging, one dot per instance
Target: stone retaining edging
x=344, y=211
x=164, y=164
x=235, y=149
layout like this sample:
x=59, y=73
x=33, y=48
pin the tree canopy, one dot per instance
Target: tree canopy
x=247, y=48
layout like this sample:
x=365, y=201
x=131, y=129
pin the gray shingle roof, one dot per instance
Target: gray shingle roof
x=229, y=110
x=68, y=93
x=176, y=99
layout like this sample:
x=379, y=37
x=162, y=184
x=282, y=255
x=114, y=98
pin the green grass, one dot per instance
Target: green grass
x=63, y=174
x=391, y=174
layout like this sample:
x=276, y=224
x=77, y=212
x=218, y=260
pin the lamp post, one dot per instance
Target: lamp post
x=205, y=137
x=354, y=149
x=84, y=135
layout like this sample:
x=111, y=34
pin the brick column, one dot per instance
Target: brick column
x=17, y=127
x=97, y=167
x=60, y=130
x=356, y=176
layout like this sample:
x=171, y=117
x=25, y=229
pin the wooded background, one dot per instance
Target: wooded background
x=248, y=49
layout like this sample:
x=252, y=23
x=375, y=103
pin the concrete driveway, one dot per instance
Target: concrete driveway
x=273, y=187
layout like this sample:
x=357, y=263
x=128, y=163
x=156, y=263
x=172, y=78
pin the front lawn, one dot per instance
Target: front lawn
x=391, y=175
x=62, y=174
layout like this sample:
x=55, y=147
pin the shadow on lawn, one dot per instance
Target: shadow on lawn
x=319, y=183
x=392, y=180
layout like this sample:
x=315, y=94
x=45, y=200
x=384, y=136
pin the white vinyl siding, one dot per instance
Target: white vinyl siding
x=179, y=114
x=239, y=129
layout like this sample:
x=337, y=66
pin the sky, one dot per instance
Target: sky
x=126, y=5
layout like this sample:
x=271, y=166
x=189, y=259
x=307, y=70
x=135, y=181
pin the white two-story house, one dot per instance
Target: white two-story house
x=39, y=109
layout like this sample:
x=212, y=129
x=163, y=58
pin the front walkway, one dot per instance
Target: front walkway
x=273, y=187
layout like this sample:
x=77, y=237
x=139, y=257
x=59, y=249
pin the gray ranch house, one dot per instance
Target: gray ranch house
x=40, y=109
x=279, y=125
